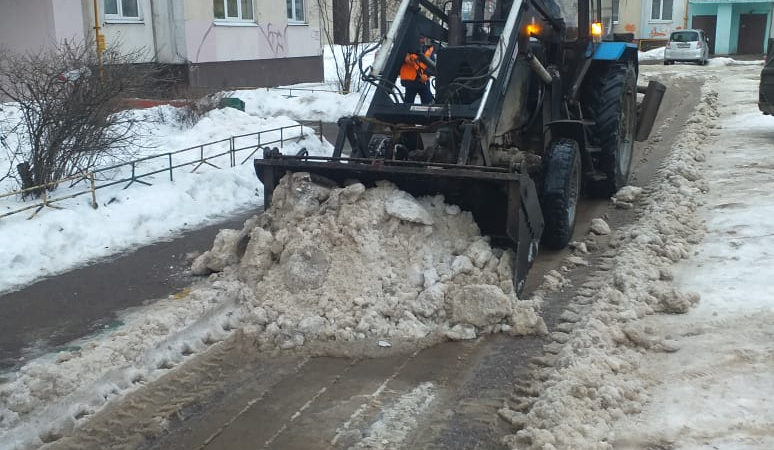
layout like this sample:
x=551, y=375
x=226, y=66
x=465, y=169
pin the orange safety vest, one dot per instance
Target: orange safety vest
x=412, y=67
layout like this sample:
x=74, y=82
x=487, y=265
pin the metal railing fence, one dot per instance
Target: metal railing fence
x=222, y=151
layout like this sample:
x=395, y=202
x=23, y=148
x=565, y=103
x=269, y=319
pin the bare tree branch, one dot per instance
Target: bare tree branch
x=345, y=33
x=70, y=108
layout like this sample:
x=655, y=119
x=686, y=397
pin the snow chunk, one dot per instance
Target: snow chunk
x=628, y=194
x=405, y=207
x=480, y=305
x=461, y=332
x=222, y=254
x=479, y=253
x=306, y=266
x=599, y=226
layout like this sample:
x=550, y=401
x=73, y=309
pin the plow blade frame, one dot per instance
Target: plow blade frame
x=504, y=204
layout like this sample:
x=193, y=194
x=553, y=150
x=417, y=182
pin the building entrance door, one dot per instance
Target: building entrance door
x=708, y=24
x=752, y=28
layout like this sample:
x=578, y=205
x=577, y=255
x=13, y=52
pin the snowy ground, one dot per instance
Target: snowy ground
x=55, y=240
x=641, y=362
x=139, y=216
x=716, y=391
x=721, y=375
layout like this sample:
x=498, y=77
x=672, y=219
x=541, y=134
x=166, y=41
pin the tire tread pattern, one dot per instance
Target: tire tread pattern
x=558, y=165
x=607, y=103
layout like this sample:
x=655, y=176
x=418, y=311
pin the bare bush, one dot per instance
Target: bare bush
x=69, y=108
x=196, y=108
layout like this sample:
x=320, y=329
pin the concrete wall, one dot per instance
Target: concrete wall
x=256, y=73
x=269, y=37
x=660, y=29
x=32, y=25
x=169, y=31
x=629, y=17
x=129, y=36
x=266, y=51
x=68, y=21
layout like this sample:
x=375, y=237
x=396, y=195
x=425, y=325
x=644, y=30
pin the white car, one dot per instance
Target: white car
x=687, y=45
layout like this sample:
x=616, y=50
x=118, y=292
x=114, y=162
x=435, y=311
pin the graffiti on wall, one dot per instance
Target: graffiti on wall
x=661, y=31
x=274, y=39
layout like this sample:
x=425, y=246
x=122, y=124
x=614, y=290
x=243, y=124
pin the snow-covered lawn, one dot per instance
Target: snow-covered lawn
x=56, y=240
x=60, y=240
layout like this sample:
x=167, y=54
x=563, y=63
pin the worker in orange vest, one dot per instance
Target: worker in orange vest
x=414, y=72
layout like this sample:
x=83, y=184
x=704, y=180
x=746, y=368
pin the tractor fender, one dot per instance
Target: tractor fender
x=615, y=51
x=569, y=129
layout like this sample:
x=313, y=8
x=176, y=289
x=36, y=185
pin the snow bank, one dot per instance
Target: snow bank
x=656, y=54
x=303, y=105
x=715, y=392
x=726, y=61
x=587, y=376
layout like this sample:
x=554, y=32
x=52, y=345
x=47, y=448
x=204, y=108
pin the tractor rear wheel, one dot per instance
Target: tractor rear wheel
x=614, y=110
x=561, y=192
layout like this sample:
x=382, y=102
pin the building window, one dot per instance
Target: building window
x=661, y=10
x=296, y=11
x=614, y=14
x=233, y=10
x=122, y=10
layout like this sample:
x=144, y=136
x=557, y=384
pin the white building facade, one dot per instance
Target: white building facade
x=212, y=43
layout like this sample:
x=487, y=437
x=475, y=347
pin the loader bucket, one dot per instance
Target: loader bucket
x=504, y=204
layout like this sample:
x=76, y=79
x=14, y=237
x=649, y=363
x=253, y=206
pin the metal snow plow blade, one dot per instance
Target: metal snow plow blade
x=504, y=204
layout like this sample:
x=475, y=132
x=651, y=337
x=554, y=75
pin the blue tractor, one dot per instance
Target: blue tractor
x=533, y=105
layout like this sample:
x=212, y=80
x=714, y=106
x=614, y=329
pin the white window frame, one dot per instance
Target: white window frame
x=294, y=16
x=120, y=18
x=660, y=18
x=234, y=21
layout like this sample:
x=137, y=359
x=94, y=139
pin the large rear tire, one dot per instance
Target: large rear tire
x=614, y=110
x=561, y=192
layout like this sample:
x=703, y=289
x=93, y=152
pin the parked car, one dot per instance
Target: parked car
x=766, y=88
x=687, y=45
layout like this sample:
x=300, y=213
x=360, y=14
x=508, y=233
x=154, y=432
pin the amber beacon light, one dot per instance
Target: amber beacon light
x=596, y=31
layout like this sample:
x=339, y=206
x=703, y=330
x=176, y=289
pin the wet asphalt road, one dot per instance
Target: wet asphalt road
x=54, y=311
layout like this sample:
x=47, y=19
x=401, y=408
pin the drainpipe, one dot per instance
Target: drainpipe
x=685, y=15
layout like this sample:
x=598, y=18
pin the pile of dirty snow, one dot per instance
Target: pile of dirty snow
x=351, y=264
x=588, y=376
